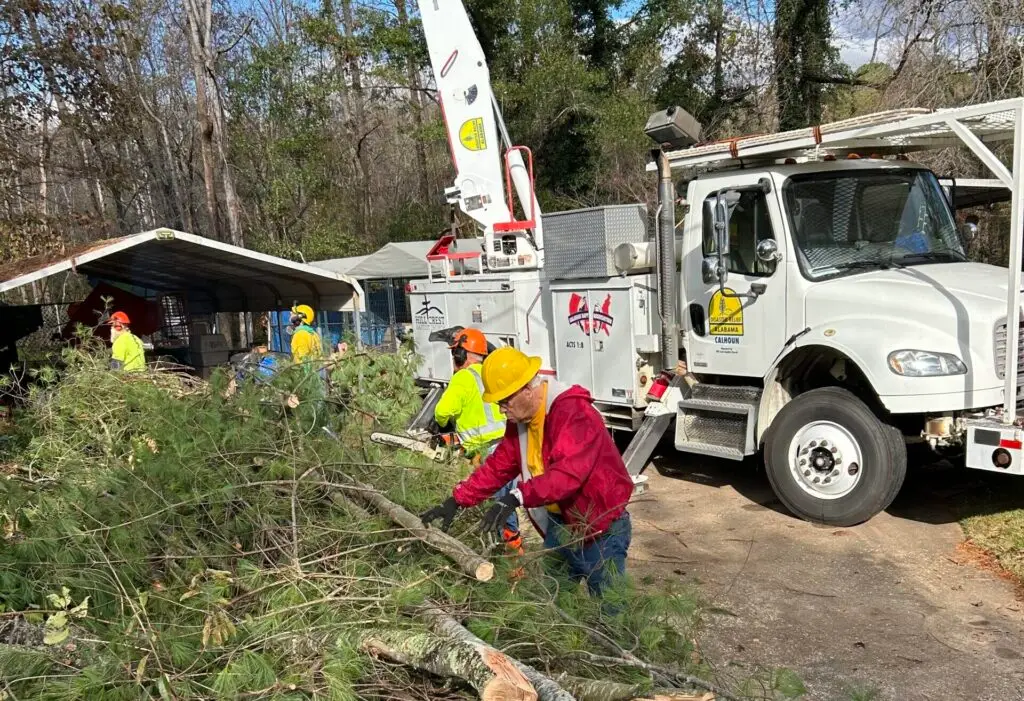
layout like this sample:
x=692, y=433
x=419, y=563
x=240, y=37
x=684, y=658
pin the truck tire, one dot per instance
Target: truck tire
x=830, y=460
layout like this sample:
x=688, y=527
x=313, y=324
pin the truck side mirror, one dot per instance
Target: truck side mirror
x=969, y=229
x=720, y=219
x=721, y=225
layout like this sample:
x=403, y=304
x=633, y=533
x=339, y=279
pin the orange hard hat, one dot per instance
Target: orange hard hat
x=119, y=318
x=473, y=340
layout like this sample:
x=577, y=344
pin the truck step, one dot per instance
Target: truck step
x=725, y=393
x=638, y=452
x=725, y=407
x=711, y=428
x=718, y=420
x=715, y=451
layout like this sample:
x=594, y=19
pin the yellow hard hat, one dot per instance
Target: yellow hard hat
x=305, y=311
x=506, y=371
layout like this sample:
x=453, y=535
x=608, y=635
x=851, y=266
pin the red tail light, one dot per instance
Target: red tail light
x=659, y=386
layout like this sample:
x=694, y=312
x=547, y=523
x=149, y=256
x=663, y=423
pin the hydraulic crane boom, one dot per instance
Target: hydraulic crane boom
x=480, y=146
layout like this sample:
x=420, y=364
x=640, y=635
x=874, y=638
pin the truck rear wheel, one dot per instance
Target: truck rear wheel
x=830, y=460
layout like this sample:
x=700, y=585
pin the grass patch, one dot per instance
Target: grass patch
x=993, y=522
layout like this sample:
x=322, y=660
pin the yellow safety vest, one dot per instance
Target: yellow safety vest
x=127, y=353
x=478, y=423
x=306, y=344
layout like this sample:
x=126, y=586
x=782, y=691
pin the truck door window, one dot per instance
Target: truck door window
x=749, y=224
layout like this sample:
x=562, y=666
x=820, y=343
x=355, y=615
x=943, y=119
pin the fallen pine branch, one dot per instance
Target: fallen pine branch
x=600, y=690
x=674, y=674
x=350, y=507
x=490, y=672
x=461, y=554
x=443, y=624
x=613, y=648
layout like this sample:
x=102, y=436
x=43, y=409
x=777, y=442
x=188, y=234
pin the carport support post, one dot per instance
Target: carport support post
x=357, y=303
x=391, y=313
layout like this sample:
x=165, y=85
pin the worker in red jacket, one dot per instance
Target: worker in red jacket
x=573, y=484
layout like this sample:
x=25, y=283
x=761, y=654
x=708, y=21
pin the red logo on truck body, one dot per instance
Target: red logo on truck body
x=600, y=320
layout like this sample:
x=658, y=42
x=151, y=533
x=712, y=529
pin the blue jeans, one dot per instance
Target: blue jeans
x=593, y=560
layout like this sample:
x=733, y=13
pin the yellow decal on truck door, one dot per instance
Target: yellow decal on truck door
x=725, y=314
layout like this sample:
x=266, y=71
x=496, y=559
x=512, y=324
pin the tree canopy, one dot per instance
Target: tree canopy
x=311, y=128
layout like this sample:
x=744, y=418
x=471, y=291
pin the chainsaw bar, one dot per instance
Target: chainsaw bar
x=416, y=446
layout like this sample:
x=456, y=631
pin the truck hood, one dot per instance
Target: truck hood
x=948, y=308
x=923, y=292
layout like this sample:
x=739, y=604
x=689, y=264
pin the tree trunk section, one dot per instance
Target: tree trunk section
x=44, y=148
x=206, y=149
x=416, y=95
x=490, y=672
x=359, y=129
x=443, y=624
x=180, y=215
x=467, y=559
x=211, y=119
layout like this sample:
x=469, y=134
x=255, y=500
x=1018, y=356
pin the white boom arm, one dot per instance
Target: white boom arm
x=477, y=137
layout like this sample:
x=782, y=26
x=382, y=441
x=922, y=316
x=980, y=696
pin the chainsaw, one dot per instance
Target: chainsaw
x=435, y=447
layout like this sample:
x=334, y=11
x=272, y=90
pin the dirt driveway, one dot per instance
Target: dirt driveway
x=894, y=605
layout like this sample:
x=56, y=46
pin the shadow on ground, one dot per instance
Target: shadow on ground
x=936, y=492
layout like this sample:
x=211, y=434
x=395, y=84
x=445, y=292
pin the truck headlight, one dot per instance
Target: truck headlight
x=919, y=363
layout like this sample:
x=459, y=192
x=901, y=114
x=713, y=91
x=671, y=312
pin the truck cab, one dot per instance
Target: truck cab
x=844, y=280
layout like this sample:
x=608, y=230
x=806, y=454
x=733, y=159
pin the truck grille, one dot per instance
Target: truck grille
x=1000, y=350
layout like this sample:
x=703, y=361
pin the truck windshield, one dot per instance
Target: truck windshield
x=852, y=221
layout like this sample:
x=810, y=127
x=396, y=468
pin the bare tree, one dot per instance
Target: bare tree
x=210, y=107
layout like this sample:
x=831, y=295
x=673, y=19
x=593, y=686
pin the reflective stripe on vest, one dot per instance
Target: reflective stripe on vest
x=538, y=514
x=492, y=426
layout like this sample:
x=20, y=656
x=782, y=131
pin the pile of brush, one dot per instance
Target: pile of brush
x=244, y=539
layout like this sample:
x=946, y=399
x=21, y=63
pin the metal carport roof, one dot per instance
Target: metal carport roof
x=212, y=274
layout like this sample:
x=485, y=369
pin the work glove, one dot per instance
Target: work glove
x=498, y=514
x=445, y=511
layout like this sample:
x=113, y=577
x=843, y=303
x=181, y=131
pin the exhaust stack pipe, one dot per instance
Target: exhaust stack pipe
x=673, y=128
x=666, y=243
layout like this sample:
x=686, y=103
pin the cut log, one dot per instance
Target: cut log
x=465, y=557
x=490, y=672
x=443, y=624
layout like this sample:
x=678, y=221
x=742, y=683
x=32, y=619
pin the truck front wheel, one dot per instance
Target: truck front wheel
x=830, y=460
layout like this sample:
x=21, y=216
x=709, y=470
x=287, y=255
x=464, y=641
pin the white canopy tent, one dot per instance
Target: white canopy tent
x=339, y=265
x=397, y=259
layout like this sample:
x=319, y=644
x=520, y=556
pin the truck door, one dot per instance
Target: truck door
x=736, y=326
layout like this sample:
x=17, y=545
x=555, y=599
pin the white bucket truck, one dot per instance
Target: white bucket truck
x=808, y=298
